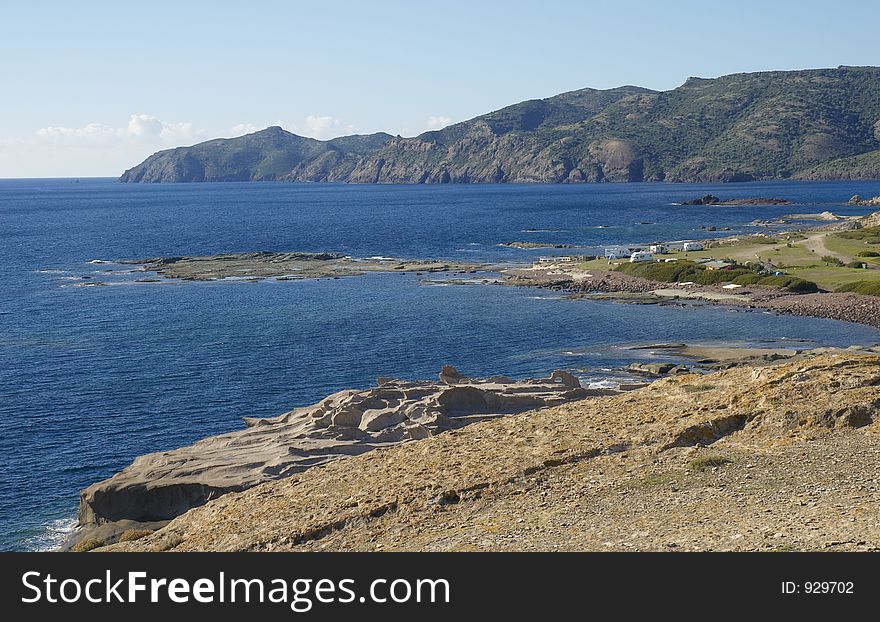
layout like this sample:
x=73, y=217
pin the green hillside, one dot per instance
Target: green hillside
x=813, y=124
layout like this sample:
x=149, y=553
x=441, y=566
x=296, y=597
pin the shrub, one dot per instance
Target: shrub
x=831, y=261
x=130, y=535
x=868, y=254
x=666, y=272
x=856, y=264
x=711, y=277
x=677, y=271
x=866, y=288
x=84, y=546
x=790, y=283
x=749, y=278
x=800, y=286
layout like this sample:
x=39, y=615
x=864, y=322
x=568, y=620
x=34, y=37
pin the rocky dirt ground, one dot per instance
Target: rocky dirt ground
x=780, y=456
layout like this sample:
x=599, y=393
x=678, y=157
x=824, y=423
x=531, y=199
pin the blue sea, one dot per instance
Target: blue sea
x=91, y=377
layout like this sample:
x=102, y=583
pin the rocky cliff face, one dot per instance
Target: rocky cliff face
x=268, y=155
x=813, y=124
x=774, y=457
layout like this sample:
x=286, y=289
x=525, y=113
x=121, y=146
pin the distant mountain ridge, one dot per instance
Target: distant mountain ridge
x=810, y=124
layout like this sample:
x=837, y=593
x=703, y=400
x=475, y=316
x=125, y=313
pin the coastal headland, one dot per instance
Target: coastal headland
x=703, y=131
x=771, y=456
x=829, y=271
x=288, y=266
x=158, y=487
x=183, y=499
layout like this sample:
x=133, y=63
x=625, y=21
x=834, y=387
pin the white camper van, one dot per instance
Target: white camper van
x=640, y=256
x=692, y=246
x=617, y=252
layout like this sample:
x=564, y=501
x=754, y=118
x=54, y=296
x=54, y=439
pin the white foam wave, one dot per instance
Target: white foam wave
x=52, y=535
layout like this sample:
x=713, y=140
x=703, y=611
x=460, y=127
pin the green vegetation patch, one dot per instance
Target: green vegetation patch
x=679, y=271
x=867, y=288
x=870, y=235
x=748, y=279
x=790, y=283
x=682, y=271
x=704, y=463
x=830, y=260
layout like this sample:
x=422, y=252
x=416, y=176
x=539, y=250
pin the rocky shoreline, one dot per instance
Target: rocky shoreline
x=609, y=284
x=778, y=456
x=156, y=488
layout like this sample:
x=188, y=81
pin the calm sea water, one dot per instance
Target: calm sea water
x=91, y=377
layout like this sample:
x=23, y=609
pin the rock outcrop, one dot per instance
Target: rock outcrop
x=163, y=485
x=711, y=199
x=859, y=201
x=779, y=456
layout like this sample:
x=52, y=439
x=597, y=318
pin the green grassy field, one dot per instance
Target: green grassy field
x=802, y=258
x=852, y=248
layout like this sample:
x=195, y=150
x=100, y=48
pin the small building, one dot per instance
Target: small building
x=692, y=246
x=659, y=249
x=641, y=256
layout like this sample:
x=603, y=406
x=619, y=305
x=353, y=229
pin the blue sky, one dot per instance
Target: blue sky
x=91, y=88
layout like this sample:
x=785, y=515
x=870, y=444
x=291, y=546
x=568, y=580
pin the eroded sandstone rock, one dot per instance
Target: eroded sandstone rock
x=160, y=486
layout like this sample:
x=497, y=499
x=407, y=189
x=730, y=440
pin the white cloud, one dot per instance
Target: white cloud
x=242, y=128
x=323, y=128
x=95, y=149
x=437, y=122
x=141, y=128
